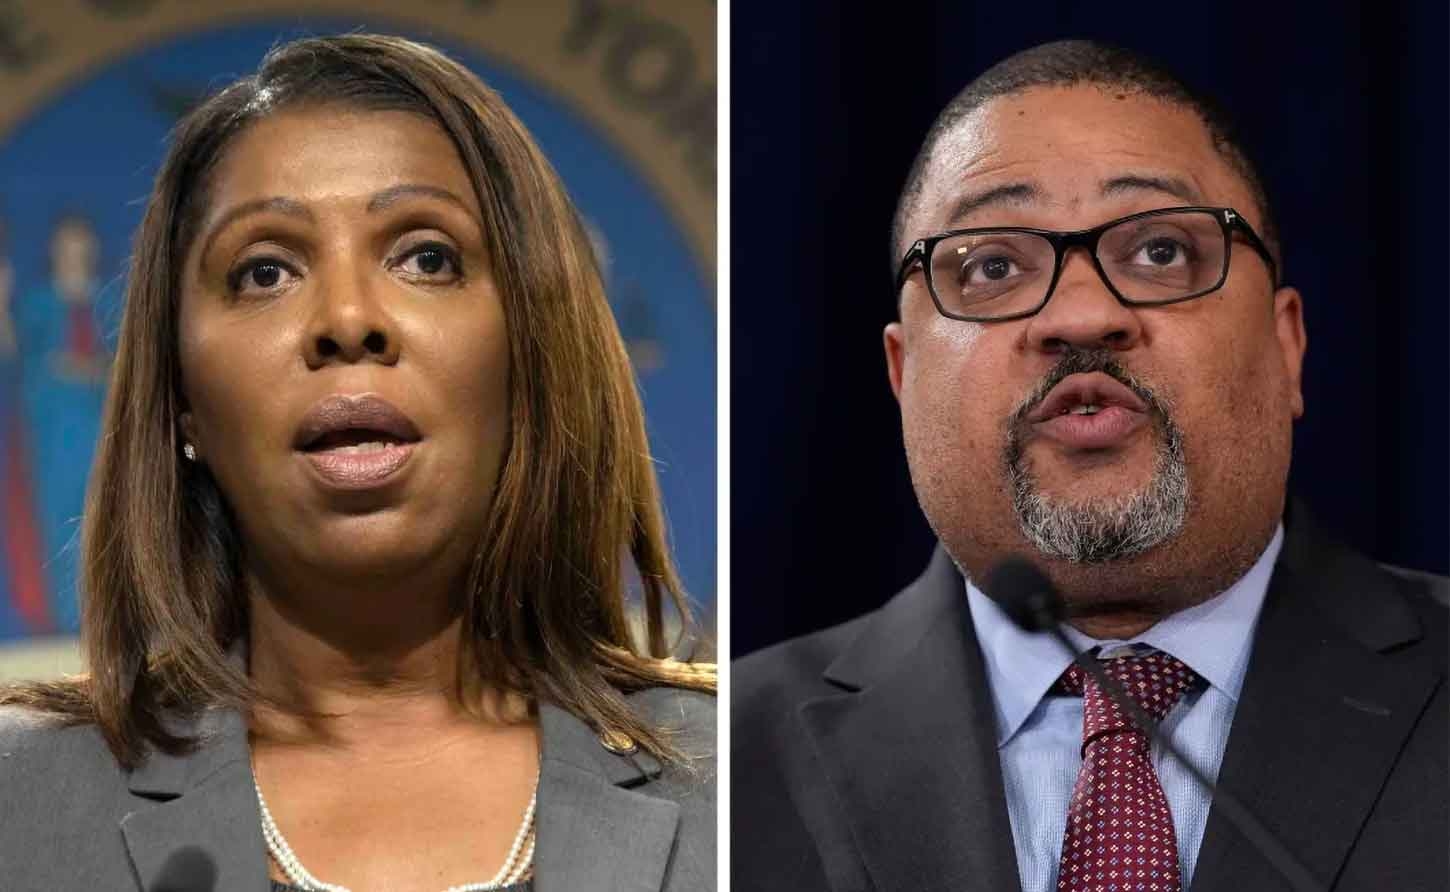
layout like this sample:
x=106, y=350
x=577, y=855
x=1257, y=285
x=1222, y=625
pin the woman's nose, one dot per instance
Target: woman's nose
x=350, y=325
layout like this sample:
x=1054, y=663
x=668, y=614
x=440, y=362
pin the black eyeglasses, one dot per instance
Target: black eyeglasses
x=1009, y=272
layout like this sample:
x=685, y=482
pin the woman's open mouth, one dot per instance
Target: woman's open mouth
x=356, y=443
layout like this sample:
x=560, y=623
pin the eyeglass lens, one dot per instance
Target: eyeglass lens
x=1156, y=258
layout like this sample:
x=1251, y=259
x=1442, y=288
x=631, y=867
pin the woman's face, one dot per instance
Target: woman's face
x=344, y=352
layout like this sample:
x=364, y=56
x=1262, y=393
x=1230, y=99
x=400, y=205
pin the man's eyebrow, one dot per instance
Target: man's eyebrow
x=1174, y=186
x=277, y=204
x=1010, y=193
x=394, y=194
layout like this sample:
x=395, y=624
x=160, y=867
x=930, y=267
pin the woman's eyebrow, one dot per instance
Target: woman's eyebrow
x=279, y=204
x=393, y=194
x=293, y=208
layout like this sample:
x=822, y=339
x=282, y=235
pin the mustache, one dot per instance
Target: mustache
x=1079, y=360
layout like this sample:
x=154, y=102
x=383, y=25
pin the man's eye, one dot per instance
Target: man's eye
x=988, y=269
x=1162, y=252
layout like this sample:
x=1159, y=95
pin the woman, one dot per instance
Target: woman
x=357, y=538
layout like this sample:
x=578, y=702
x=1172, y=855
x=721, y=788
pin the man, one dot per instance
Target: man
x=1111, y=396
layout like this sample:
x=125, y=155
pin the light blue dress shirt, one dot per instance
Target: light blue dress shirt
x=1039, y=736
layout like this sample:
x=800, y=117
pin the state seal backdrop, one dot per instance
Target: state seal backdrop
x=620, y=95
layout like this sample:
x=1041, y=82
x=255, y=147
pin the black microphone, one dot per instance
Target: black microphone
x=1031, y=601
x=187, y=869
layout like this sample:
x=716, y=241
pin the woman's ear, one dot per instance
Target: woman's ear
x=188, y=436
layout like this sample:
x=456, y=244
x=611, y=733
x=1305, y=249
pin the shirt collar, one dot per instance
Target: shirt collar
x=1212, y=638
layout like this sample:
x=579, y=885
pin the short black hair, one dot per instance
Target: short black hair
x=1067, y=63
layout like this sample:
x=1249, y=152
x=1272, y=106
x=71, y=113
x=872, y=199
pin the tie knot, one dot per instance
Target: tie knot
x=1156, y=681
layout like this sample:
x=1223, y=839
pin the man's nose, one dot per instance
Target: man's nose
x=1083, y=312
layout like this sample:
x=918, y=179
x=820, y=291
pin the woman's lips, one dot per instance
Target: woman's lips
x=1108, y=427
x=361, y=467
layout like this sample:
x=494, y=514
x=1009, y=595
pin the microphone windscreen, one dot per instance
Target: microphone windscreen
x=187, y=869
x=1025, y=594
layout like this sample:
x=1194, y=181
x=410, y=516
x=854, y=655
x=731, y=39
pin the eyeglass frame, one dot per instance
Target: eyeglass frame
x=1229, y=221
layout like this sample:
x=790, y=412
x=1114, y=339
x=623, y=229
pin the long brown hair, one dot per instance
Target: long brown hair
x=576, y=497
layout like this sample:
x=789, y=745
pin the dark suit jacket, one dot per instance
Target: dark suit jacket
x=71, y=820
x=864, y=757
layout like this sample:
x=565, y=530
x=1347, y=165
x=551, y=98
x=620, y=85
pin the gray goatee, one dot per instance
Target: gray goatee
x=1113, y=528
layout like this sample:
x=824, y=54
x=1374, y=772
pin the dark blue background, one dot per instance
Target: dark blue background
x=1345, y=108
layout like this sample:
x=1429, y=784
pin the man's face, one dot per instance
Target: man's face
x=1204, y=391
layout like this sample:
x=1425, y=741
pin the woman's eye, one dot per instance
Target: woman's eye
x=261, y=274
x=431, y=261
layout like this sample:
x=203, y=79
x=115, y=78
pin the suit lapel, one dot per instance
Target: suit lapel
x=595, y=831
x=1322, y=715
x=908, y=749
x=198, y=809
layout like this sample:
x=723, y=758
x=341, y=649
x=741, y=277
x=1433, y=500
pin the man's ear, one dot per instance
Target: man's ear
x=894, y=339
x=1289, y=331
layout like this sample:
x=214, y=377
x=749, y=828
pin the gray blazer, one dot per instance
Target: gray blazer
x=72, y=819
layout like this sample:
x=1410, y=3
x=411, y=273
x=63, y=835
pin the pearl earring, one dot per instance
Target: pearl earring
x=189, y=451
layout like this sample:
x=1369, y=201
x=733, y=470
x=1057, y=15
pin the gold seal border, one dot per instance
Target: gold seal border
x=641, y=71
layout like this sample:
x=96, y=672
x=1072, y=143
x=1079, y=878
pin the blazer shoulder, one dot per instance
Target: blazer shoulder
x=68, y=767
x=1428, y=596
x=853, y=651
x=21, y=726
x=687, y=716
x=1380, y=606
x=1423, y=586
x=34, y=740
x=681, y=707
x=776, y=677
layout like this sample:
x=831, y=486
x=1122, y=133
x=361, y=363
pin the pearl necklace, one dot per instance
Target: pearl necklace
x=515, y=867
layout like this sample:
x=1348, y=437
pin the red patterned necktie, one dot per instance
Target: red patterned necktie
x=1119, y=831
